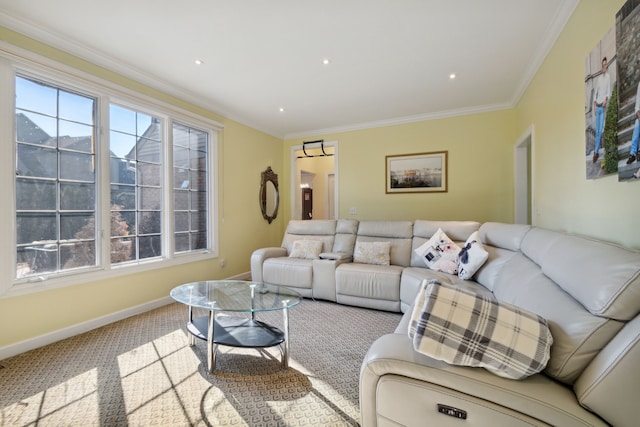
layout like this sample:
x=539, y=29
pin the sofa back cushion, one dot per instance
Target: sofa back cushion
x=578, y=335
x=345, y=240
x=316, y=229
x=397, y=233
x=423, y=230
x=603, y=277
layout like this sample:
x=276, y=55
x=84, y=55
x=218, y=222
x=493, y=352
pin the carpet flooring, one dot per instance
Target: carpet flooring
x=141, y=372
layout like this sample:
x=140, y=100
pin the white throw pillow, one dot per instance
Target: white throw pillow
x=372, y=253
x=306, y=249
x=440, y=253
x=462, y=328
x=471, y=257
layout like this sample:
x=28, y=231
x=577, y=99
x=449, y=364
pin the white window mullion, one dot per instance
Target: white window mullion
x=104, y=187
x=168, y=217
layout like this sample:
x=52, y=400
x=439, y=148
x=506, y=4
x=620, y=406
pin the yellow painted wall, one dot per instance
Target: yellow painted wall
x=243, y=154
x=554, y=104
x=480, y=162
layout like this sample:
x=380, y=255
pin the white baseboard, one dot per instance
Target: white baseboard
x=80, y=328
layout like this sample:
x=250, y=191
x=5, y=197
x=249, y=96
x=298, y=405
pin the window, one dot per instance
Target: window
x=104, y=178
x=135, y=146
x=190, y=178
x=55, y=179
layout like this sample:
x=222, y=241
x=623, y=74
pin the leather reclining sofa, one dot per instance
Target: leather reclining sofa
x=587, y=290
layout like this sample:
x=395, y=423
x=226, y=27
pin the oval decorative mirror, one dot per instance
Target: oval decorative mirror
x=269, y=194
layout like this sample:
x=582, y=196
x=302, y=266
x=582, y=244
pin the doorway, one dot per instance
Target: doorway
x=314, y=167
x=523, y=181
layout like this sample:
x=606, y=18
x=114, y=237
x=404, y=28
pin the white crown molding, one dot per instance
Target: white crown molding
x=554, y=30
x=401, y=120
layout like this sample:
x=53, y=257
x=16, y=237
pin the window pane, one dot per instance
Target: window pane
x=150, y=198
x=36, y=128
x=37, y=161
x=122, y=145
x=149, y=246
x=149, y=150
x=36, y=227
x=198, y=201
x=77, y=226
x=122, y=171
x=198, y=140
x=180, y=157
x=34, y=194
x=75, y=136
x=123, y=223
x=123, y=249
x=198, y=241
x=198, y=160
x=34, y=96
x=122, y=119
x=182, y=242
x=76, y=108
x=181, y=221
x=77, y=197
x=123, y=196
x=180, y=136
x=198, y=180
x=78, y=254
x=181, y=178
x=149, y=174
x=181, y=200
x=40, y=258
x=198, y=221
x=149, y=222
x=76, y=166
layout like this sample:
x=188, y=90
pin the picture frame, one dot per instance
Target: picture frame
x=416, y=173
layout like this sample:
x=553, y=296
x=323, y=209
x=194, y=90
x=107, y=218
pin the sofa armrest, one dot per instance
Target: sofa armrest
x=538, y=396
x=324, y=274
x=259, y=256
x=336, y=256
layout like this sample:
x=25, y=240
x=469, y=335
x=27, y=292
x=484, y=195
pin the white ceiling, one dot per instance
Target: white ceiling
x=390, y=60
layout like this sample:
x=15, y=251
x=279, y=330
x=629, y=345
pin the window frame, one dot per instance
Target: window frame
x=14, y=62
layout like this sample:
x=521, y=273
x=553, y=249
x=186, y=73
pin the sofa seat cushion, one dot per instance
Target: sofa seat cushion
x=370, y=281
x=286, y=271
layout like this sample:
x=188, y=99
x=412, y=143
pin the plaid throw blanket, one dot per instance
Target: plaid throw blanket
x=462, y=328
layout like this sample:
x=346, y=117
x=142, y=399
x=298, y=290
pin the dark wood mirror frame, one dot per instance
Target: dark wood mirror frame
x=269, y=195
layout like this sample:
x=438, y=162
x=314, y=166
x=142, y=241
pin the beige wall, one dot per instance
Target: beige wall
x=480, y=163
x=554, y=104
x=243, y=154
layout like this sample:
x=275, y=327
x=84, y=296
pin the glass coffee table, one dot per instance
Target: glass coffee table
x=240, y=297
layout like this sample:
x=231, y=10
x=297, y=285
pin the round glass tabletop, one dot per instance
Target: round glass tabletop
x=235, y=295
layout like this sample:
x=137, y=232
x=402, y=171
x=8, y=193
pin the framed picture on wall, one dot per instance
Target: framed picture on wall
x=416, y=173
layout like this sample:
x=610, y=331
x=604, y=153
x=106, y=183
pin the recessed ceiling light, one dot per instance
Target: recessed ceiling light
x=452, y=76
x=325, y=61
x=281, y=110
x=199, y=62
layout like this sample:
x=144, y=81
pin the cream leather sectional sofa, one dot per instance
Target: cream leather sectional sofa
x=587, y=290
